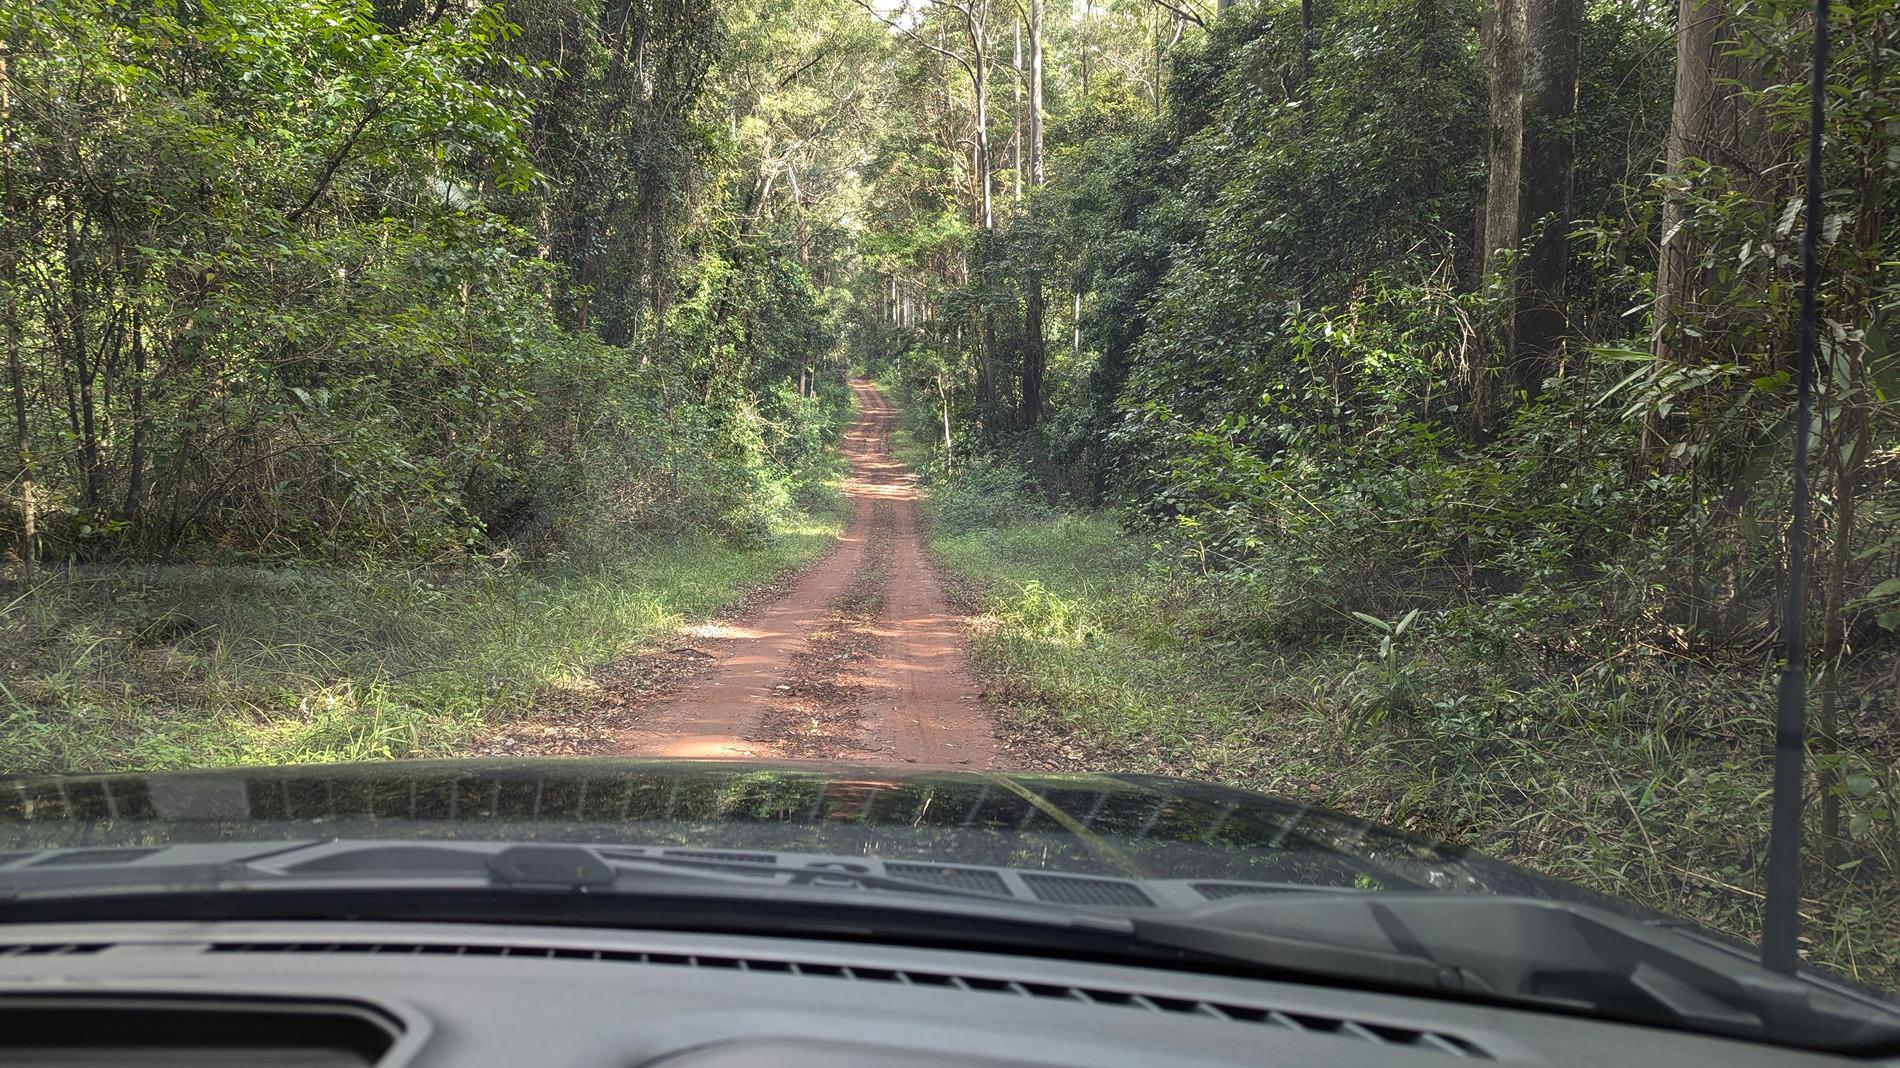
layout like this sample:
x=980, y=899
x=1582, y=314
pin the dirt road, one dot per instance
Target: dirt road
x=860, y=658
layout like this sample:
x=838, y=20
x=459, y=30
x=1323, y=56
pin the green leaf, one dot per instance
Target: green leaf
x=1622, y=355
x=1627, y=379
x=1373, y=621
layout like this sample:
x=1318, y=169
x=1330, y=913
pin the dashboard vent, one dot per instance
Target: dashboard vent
x=1303, y=1022
x=940, y=875
x=1068, y=890
x=75, y=1028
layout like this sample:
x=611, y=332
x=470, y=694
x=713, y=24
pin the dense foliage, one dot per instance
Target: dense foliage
x=1536, y=487
x=345, y=276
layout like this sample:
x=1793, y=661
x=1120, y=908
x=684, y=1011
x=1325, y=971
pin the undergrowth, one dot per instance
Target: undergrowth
x=132, y=670
x=1646, y=778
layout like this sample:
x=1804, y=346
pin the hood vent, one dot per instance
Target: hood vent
x=1305, y=1023
x=728, y=857
x=52, y=949
x=1223, y=891
x=1070, y=890
x=979, y=879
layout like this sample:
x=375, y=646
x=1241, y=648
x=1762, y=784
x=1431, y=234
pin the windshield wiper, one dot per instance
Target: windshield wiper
x=609, y=885
x=1525, y=951
x=830, y=875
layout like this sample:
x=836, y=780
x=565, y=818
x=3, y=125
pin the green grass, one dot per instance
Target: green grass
x=1651, y=785
x=191, y=667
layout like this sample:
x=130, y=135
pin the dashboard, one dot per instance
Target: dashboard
x=396, y=995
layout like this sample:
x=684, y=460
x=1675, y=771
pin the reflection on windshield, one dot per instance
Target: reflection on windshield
x=1070, y=823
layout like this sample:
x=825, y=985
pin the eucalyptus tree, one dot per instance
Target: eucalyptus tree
x=28, y=544
x=1715, y=132
x=1035, y=355
x=1532, y=52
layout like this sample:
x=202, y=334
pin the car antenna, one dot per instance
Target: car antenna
x=1781, y=920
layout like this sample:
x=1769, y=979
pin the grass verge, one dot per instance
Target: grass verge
x=129, y=670
x=1650, y=782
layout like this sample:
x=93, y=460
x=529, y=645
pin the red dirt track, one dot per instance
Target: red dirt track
x=860, y=658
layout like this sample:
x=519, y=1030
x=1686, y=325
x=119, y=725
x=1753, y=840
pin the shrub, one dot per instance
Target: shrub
x=986, y=494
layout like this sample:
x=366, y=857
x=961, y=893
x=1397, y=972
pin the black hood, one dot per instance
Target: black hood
x=1136, y=826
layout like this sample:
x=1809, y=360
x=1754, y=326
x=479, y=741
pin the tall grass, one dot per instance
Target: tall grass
x=1648, y=780
x=189, y=667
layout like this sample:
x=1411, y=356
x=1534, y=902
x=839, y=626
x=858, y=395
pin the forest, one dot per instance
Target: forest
x=1384, y=403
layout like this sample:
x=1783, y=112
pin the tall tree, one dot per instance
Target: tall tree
x=1710, y=124
x=1532, y=49
x=9, y=281
x=974, y=57
x=1035, y=350
x=1016, y=117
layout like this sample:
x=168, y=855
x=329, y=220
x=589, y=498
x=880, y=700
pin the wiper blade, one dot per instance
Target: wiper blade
x=1547, y=954
x=422, y=868
x=580, y=868
x=592, y=886
x=838, y=875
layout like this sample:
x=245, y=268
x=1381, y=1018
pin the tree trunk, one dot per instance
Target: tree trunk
x=988, y=371
x=1154, y=35
x=1532, y=51
x=22, y=451
x=1306, y=39
x=1502, y=33
x=1016, y=118
x=657, y=274
x=1709, y=121
x=1505, y=151
x=1850, y=452
x=16, y=369
x=1088, y=45
x=978, y=34
x=1035, y=94
x=984, y=176
x=943, y=398
x=141, y=425
x=1035, y=351
x=1857, y=410
x=1075, y=326
x=85, y=370
x=1547, y=170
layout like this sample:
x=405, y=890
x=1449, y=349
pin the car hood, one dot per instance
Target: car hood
x=1136, y=826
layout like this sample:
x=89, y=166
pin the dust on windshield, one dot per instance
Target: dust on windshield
x=1385, y=406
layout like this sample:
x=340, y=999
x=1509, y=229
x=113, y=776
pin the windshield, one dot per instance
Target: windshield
x=1341, y=444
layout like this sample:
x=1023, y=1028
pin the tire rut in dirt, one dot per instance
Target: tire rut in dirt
x=817, y=712
x=857, y=657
